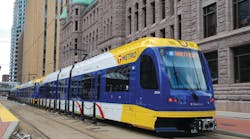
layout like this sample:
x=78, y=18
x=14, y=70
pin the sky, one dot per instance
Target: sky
x=6, y=12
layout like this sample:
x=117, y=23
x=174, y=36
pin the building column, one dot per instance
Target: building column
x=199, y=21
x=225, y=65
x=229, y=15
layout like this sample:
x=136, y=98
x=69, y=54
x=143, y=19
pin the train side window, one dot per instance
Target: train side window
x=86, y=86
x=80, y=89
x=63, y=87
x=50, y=89
x=148, y=77
x=117, y=79
x=74, y=88
x=47, y=90
x=98, y=86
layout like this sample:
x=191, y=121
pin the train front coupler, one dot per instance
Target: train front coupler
x=203, y=125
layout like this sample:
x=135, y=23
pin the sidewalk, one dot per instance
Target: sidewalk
x=233, y=123
x=8, y=123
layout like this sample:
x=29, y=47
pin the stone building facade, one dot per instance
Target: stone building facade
x=220, y=27
x=90, y=28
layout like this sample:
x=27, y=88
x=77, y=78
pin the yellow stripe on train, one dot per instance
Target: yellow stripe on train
x=145, y=118
x=130, y=52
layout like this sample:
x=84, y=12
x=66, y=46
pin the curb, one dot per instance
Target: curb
x=7, y=117
x=10, y=130
x=231, y=133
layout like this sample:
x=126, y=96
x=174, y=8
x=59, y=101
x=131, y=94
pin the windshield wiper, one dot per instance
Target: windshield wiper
x=175, y=73
x=195, y=96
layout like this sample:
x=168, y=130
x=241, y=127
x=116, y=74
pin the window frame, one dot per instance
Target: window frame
x=180, y=26
x=237, y=66
x=90, y=91
x=214, y=58
x=76, y=11
x=144, y=12
x=152, y=4
x=236, y=13
x=126, y=85
x=130, y=20
x=206, y=14
x=136, y=17
x=163, y=9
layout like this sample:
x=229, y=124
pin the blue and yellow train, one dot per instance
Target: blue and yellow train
x=158, y=84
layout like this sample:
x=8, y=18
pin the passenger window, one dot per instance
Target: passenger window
x=98, y=86
x=148, y=77
x=80, y=89
x=74, y=88
x=63, y=87
x=88, y=85
x=117, y=79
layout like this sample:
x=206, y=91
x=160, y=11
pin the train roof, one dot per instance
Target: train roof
x=30, y=83
x=25, y=85
x=130, y=52
x=124, y=54
x=65, y=72
x=51, y=77
x=38, y=80
x=127, y=53
x=105, y=60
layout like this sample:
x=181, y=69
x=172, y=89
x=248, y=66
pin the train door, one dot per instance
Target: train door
x=148, y=94
x=62, y=96
x=67, y=95
x=36, y=93
x=53, y=100
x=98, y=86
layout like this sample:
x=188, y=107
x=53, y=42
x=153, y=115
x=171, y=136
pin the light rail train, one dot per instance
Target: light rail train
x=157, y=84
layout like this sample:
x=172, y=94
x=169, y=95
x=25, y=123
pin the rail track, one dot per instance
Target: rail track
x=46, y=125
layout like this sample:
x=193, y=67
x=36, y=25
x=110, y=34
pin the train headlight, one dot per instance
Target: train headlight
x=172, y=100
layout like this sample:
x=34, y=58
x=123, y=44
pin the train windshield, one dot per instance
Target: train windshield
x=184, y=68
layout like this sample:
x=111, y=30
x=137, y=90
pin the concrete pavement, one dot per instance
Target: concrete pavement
x=233, y=123
x=228, y=123
x=8, y=123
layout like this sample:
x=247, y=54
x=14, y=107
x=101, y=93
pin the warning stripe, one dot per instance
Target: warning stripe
x=79, y=106
x=100, y=110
